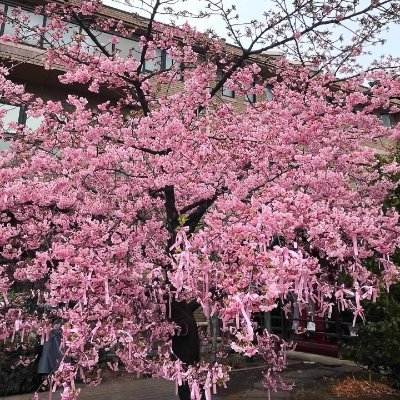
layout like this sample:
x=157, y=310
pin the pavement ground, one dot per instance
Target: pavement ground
x=311, y=374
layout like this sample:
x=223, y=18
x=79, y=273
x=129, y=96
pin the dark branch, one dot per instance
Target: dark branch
x=201, y=208
x=172, y=214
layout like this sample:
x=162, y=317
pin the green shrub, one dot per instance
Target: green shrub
x=377, y=345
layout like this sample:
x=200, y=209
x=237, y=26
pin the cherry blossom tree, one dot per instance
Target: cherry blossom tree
x=125, y=215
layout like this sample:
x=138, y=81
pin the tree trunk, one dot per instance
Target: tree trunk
x=186, y=344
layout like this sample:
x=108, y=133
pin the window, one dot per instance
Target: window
x=88, y=45
x=69, y=34
x=4, y=145
x=269, y=94
x=250, y=97
x=12, y=115
x=127, y=47
x=17, y=114
x=156, y=63
x=169, y=62
x=26, y=33
x=225, y=91
x=200, y=111
x=70, y=30
x=7, y=28
x=357, y=184
x=228, y=93
x=387, y=120
x=33, y=122
x=105, y=40
x=91, y=48
x=2, y=12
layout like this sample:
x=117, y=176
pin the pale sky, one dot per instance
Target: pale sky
x=253, y=9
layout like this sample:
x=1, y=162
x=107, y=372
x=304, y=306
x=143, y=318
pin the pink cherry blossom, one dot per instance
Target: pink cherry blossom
x=133, y=198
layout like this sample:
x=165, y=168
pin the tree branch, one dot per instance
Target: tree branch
x=172, y=215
